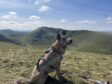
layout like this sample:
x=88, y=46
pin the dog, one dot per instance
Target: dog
x=50, y=60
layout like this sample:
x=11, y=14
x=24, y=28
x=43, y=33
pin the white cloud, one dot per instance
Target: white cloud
x=12, y=13
x=7, y=21
x=36, y=2
x=90, y=22
x=4, y=3
x=34, y=18
x=63, y=21
x=12, y=21
x=42, y=5
x=16, y=25
x=47, y=0
x=10, y=16
x=43, y=8
x=109, y=20
x=39, y=2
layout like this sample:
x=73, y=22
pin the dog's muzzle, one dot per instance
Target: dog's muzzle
x=70, y=41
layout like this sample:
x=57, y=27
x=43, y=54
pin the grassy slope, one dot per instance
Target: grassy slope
x=17, y=62
x=89, y=41
x=96, y=42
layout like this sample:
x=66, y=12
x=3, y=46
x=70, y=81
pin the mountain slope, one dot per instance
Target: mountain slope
x=12, y=34
x=83, y=40
x=94, y=42
x=5, y=39
x=42, y=35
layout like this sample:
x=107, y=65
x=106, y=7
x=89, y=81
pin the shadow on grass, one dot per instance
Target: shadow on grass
x=68, y=78
x=51, y=80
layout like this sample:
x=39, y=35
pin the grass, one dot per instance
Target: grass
x=17, y=62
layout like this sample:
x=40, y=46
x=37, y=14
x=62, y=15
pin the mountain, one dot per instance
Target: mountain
x=83, y=40
x=7, y=32
x=92, y=41
x=5, y=39
x=42, y=35
x=12, y=34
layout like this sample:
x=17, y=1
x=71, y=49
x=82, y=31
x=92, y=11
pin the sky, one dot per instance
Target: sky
x=26, y=15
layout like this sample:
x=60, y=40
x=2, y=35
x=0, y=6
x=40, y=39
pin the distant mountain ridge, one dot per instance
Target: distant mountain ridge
x=83, y=40
x=5, y=39
x=11, y=35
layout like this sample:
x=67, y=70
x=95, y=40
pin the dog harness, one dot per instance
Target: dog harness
x=42, y=57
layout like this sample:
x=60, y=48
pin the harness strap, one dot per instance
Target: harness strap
x=44, y=62
x=42, y=57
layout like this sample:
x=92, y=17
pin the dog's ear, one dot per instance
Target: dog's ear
x=63, y=32
x=58, y=36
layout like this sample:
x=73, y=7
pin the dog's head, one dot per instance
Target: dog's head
x=62, y=39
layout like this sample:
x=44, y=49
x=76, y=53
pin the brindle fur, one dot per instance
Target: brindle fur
x=51, y=60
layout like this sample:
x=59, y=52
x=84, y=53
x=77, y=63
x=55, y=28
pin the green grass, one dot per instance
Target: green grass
x=17, y=62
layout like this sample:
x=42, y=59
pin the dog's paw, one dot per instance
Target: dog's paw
x=22, y=82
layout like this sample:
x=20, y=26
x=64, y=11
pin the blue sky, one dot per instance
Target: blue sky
x=68, y=14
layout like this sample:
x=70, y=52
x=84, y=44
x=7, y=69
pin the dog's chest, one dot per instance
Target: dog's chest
x=53, y=58
x=50, y=62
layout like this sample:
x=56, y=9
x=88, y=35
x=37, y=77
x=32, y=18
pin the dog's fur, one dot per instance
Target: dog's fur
x=50, y=61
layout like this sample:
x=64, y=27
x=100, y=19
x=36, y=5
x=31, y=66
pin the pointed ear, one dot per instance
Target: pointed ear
x=63, y=32
x=58, y=36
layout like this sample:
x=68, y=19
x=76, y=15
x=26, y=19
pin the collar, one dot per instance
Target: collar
x=56, y=51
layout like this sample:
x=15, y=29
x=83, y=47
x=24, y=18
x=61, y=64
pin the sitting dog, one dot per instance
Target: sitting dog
x=50, y=61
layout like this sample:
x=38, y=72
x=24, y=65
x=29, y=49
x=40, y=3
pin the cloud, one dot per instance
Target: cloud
x=109, y=20
x=34, y=18
x=24, y=26
x=63, y=21
x=90, y=22
x=43, y=8
x=36, y=2
x=10, y=16
x=12, y=13
x=42, y=5
x=47, y=0
x=39, y=2
x=4, y=3
x=12, y=21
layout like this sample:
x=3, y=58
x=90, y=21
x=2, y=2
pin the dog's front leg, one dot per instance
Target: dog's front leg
x=59, y=74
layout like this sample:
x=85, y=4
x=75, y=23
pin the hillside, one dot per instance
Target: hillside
x=13, y=35
x=17, y=62
x=96, y=42
x=83, y=40
x=7, y=40
x=41, y=36
x=89, y=55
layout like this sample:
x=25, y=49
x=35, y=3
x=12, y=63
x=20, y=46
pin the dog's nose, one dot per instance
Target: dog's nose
x=70, y=41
